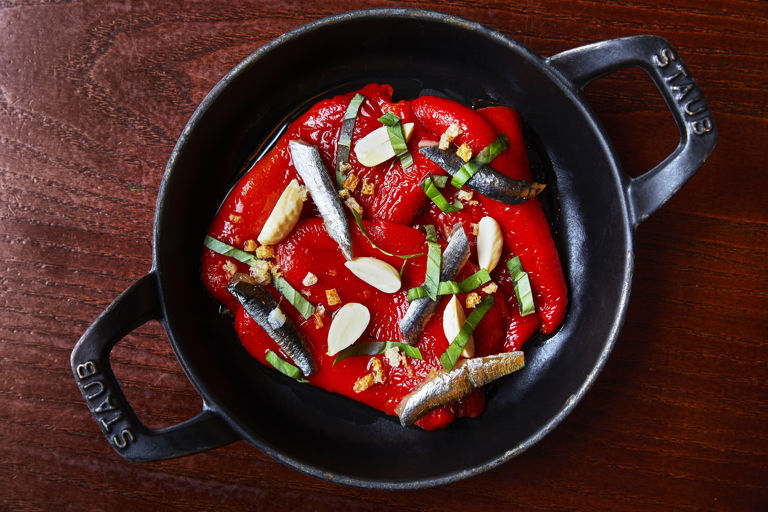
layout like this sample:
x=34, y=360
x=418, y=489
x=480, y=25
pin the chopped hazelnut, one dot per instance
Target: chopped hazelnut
x=363, y=383
x=473, y=299
x=332, y=297
x=344, y=193
x=260, y=271
x=473, y=202
x=378, y=371
x=235, y=218
x=352, y=204
x=490, y=288
x=265, y=252
x=368, y=188
x=230, y=269
x=351, y=182
x=319, y=313
x=464, y=152
x=250, y=245
x=309, y=279
x=448, y=135
x=465, y=195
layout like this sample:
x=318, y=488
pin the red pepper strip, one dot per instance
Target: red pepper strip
x=515, y=159
x=526, y=230
x=437, y=114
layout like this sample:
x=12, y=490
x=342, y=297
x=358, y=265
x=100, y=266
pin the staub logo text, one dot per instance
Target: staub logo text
x=102, y=405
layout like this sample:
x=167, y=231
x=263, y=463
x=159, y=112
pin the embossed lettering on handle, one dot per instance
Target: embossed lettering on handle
x=698, y=133
x=684, y=91
x=101, y=390
x=99, y=397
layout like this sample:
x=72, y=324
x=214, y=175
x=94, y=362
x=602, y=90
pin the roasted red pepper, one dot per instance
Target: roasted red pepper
x=392, y=213
x=525, y=228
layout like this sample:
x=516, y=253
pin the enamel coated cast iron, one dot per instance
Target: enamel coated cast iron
x=330, y=436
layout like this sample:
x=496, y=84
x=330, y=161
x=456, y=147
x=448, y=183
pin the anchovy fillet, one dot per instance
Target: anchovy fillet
x=486, y=181
x=309, y=165
x=445, y=387
x=419, y=311
x=259, y=303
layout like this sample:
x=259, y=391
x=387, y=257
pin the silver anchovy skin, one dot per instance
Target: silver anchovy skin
x=486, y=181
x=445, y=387
x=309, y=165
x=419, y=311
x=258, y=303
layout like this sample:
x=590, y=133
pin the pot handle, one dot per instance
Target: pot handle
x=125, y=432
x=698, y=134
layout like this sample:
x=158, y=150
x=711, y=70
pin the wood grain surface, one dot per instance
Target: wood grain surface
x=92, y=98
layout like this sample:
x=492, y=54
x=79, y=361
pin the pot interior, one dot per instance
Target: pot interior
x=328, y=435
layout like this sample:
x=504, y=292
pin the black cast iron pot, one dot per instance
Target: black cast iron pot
x=330, y=436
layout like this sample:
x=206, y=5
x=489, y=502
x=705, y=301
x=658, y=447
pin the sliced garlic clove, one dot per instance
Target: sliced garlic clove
x=377, y=273
x=284, y=215
x=375, y=147
x=489, y=242
x=349, y=322
x=453, y=320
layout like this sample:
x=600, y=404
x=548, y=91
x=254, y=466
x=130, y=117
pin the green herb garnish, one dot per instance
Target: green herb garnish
x=452, y=353
x=297, y=300
x=432, y=274
x=431, y=232
x=430, y=189
x=440, y=180
x=523, y=291
x=345, y=138
x=397, y=138
x=285, y=367
x=372, y=348
x=477, y=279
x=359, y=222
x=484, y=157
x=227, y=250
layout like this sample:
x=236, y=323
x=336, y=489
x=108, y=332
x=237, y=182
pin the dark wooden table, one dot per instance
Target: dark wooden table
x=92, y=98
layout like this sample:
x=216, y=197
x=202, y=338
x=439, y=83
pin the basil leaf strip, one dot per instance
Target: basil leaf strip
x=429, y=188
x=359, y=221
x=227, y=250
x=440, y=180
x=372, y=348
x=431, y=232
x=484, y=157
x=477, y=279
x=397, y=138
x=297, y=300
x=345, y=137
x=432, y=275
x=452, y=353
x=523, y=292
x=285, y=367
